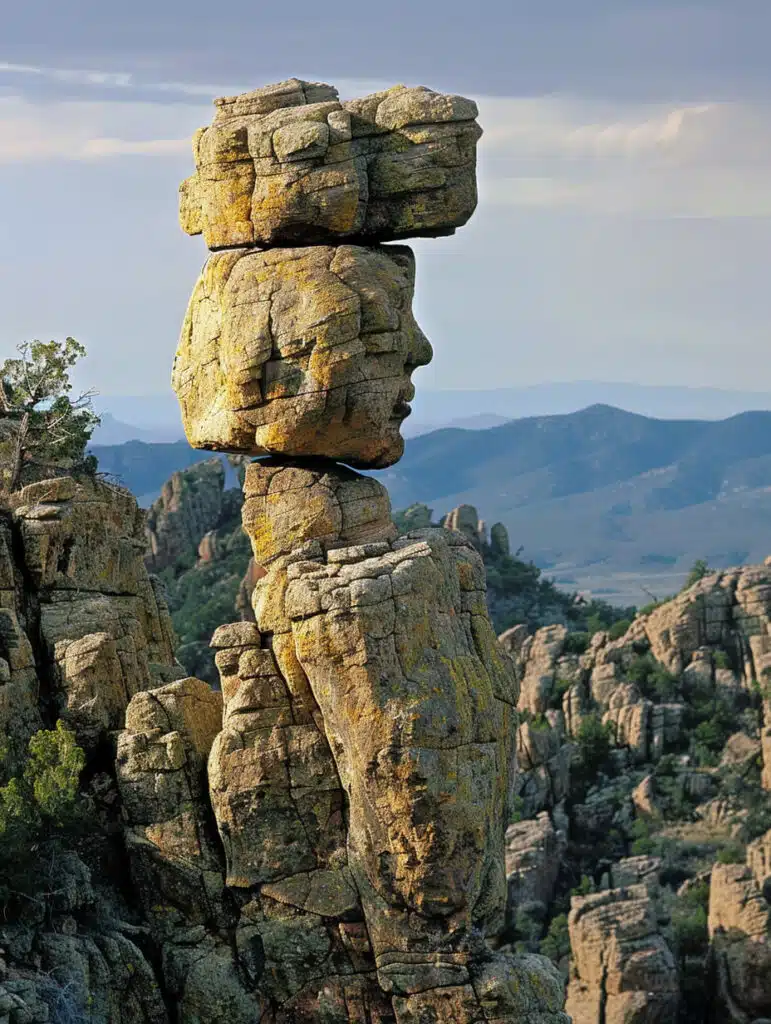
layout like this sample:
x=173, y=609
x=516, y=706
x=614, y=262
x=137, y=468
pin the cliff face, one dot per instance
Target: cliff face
x=653, y=744
x=83, y=630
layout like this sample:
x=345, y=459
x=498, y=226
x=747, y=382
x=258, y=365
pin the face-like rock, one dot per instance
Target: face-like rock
x=291, y=164
x=301, y=352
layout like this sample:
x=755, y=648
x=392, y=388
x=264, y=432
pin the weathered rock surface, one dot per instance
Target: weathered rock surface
x=395, y=634
x=190, y=505
x=100, y=617
x=301, y=352
x=82, y=631
x=364, y=774
x=543, y=757
x=291, y=164
x=740, y=933
x=534, y=849
x=622, y=970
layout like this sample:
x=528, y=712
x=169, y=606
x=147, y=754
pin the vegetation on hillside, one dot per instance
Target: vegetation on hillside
x=40, y=809
x=44, y=430
x=518, y=592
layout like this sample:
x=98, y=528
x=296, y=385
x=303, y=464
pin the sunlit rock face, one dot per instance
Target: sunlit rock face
x=291, y=164
x=302, y=352
x=364, y=774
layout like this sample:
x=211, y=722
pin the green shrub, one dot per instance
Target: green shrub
x=584, y=888
x=517, y=810
x=643, y=843
x=689, y=929
x=732, y=853
x=39, y=807
x=593, y=745
x=699, y=570
x=561, y=687
x=556, y=943
x=618, y=629
x=652, y=679
x=721, y=659
x=576, y=643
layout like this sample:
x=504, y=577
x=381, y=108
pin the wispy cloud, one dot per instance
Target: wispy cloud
x=700, y=159
x=71, y=130
x=694, y=160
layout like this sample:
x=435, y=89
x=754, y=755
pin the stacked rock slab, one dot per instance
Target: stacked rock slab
x=364, y=774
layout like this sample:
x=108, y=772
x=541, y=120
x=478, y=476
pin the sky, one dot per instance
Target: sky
x=624, y=225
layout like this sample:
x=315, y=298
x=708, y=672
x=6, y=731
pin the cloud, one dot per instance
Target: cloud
x=695, y=160
x=93, y=130
x=700, y=159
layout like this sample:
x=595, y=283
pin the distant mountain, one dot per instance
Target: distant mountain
x=145, y=467
x=147, y=417
x=662, y=402
x=111, y=431
x=608, y=501
x=603, y=492
x=480, y=421
x=157, y=418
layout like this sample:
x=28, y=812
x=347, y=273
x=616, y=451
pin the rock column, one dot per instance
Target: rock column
x=363, y=777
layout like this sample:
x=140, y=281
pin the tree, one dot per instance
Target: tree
x=40, y=807
x=44, y=428
x=699, y=570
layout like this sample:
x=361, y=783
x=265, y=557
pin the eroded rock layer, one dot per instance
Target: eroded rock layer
x=372, y=683
x=364, y=774
x=291, y=164
x=301, y=352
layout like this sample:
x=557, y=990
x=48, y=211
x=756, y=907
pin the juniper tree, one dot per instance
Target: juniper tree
x=43, y=428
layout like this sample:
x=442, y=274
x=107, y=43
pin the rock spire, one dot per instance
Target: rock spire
x=363, y=777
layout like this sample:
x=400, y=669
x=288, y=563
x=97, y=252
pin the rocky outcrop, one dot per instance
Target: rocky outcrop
x=534, y=850
x=291, y=164
x=364, y=774
x=279, y=383
x=621, y=967
x=740, y=934
x=189, y=507
x=393, y=633
x=543, y=756
x=84, y=633
x=104, y=629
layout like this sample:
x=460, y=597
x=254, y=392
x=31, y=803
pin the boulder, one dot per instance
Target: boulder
x=621, y=967
x=291, y=164
x=301, y=352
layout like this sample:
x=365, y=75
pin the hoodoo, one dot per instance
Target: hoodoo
x=363, y=777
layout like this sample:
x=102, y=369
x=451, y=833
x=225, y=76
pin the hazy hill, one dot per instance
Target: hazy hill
x=144, y=466
x=608, y=501
x=604, y=492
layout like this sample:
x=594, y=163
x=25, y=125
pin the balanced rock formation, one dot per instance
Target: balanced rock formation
x=291, y=164
x=308, y=352
x=364, y=773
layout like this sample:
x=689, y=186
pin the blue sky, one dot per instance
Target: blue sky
x=624, y=228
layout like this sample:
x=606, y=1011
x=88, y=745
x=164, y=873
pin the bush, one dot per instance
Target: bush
x=39, y=807
x=618, y=629
x=643, y=843
x=732, y=853
x=652, y=679
x=721, y=659
x=689, y=929
x=593, y=741
x=699, y=570
x=556, y=942
x=576, y=643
